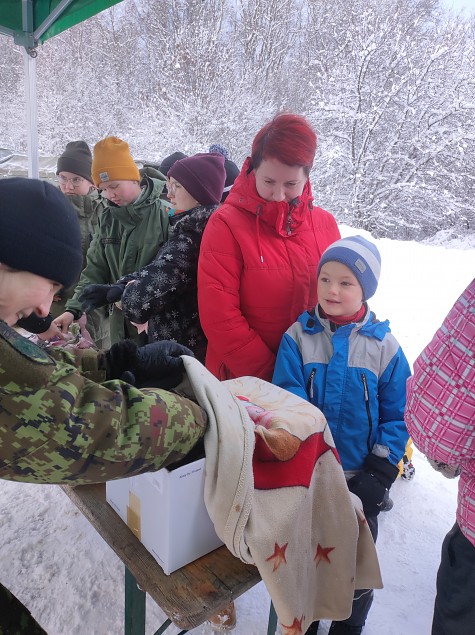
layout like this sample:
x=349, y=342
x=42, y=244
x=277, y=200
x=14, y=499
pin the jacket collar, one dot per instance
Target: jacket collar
x=191, y=216
x=286, y=218
x=369, y=326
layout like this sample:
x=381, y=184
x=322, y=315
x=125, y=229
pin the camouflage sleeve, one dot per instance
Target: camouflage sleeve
x=59, y=426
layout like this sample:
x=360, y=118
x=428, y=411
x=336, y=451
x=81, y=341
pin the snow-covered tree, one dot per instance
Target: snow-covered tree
x=388, y=85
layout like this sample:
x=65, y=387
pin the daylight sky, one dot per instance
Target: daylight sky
x=467, y=6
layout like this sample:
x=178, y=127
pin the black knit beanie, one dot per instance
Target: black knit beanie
x=39, y=230
x=77, y=159
x=202, y=176
x=168, y=161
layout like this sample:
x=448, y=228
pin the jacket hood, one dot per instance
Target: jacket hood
x=286, y=218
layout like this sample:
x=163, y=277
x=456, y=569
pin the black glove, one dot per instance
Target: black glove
x=373, y=482
x=157, y=365
x=96, y=295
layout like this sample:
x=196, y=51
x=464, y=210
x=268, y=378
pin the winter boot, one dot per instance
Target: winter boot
x=408, y=469
x=340, y=628
x=312, y=629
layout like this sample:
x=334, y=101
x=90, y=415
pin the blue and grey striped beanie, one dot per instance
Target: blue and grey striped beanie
x=359, y=255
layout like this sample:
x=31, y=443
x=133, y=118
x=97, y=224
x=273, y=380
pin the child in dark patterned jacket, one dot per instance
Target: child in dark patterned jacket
x=348, y=364
x=163, y=294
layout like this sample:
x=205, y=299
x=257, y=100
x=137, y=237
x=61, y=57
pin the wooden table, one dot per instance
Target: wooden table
x=188, y=596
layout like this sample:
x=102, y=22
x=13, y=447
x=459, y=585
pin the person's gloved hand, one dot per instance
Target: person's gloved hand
x=95, y=295
x=371, y=484
x=157, y=365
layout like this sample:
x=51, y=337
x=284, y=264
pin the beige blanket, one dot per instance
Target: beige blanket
x=277, y=495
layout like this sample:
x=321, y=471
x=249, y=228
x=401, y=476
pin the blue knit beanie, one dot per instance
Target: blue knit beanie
x=359, y=255
x=39, y=230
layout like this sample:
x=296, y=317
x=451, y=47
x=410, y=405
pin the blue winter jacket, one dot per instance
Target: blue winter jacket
x=356, y=375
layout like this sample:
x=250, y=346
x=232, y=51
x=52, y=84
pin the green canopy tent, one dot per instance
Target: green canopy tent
x=31, y=22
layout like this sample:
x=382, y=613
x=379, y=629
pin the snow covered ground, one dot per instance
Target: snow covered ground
x=56, y=563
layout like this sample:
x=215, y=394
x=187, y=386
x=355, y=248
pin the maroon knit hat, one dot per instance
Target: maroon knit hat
x=202, y=176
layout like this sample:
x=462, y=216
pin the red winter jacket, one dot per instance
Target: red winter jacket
x=257, y=273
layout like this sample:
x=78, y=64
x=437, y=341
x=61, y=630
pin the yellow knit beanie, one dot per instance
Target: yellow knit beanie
x=112, y=161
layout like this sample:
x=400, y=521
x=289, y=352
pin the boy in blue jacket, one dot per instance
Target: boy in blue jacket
x=348, y=364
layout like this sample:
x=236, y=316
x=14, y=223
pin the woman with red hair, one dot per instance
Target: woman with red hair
x=260, y=252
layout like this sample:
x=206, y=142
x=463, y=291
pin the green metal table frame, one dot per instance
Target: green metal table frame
x=189, y=596
x=135, y=609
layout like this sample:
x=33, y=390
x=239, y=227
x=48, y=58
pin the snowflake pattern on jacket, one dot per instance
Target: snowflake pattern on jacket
x=165, y=291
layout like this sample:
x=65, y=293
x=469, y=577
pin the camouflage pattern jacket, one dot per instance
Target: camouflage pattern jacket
x=127, y=238
x=58, y=425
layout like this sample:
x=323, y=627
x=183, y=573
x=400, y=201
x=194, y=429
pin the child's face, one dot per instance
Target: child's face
x=121, y=192
x=339, y=292
x=180, y=198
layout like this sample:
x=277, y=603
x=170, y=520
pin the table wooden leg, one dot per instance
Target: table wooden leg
x=272, y=624
x=134, y=606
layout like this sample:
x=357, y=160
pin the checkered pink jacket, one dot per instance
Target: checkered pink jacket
x=440, y=410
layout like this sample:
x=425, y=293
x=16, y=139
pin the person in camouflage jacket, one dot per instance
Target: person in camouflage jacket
x=165, y=293
x=66, y=417
x=130, y=230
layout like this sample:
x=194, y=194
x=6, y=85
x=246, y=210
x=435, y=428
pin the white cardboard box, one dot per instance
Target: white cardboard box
x=166, y=511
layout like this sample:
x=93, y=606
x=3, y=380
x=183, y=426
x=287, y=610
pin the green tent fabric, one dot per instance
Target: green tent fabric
x=30, y=22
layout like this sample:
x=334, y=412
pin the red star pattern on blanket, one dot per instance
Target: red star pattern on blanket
x=278, y=556
x=270, y=473
x=322, y=554
x=295, y=628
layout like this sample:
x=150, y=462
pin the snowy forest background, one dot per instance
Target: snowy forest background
x=388, y=84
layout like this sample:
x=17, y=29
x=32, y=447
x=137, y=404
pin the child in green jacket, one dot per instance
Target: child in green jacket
x=130, y=230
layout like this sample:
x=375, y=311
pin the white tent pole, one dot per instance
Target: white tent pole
x=29, y=66
x=31, y=114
